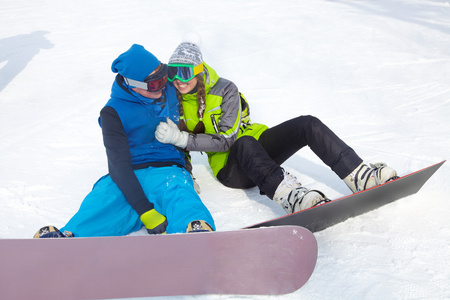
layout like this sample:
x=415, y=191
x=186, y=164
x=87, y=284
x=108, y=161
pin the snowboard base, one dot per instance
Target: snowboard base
x=264, y=261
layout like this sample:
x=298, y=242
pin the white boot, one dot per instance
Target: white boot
x=293, y=197
x=365, y=177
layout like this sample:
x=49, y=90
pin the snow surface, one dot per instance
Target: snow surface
x=376, y=72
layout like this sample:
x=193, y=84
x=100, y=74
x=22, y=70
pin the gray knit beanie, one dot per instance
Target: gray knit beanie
x=187, y=53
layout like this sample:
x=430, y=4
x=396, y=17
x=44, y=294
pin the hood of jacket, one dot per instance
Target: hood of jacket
x=210, y=77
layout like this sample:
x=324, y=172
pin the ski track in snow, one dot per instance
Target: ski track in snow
x=375, y=72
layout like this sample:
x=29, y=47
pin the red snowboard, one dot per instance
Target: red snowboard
x=267, y=261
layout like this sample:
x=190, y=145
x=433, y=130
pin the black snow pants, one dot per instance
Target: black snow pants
x=254, y=162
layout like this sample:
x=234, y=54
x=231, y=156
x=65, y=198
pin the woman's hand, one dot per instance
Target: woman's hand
x=168, y=133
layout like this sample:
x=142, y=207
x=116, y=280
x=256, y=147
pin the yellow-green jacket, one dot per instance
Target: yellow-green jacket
x=226, y=119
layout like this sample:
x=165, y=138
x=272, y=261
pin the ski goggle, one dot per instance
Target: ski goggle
x=183, y=72
x=153, y=83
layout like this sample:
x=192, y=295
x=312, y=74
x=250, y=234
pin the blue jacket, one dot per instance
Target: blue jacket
x=128, y=123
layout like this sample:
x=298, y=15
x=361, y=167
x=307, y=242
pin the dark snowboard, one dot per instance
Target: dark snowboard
x=267, y=261
x=323, y=216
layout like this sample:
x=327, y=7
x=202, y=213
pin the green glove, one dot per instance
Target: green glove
x=154, y=222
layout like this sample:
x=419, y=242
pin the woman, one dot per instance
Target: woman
x=147, y=184
x=215, y=119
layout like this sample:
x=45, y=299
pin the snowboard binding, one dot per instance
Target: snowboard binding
x=51, y=232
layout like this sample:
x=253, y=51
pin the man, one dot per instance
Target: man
x=147, y=184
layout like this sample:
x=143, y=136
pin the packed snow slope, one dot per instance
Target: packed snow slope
x=376, y=72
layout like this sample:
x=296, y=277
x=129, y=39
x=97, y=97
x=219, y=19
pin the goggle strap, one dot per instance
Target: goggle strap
x=135, y=83
x=198, y=69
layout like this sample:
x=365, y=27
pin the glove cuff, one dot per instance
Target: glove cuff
x=183, y=140
x=152, y=219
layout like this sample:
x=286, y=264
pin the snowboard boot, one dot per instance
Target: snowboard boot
x=293, y=197
x=51, y=232
x=365, y=177
x=199, y=226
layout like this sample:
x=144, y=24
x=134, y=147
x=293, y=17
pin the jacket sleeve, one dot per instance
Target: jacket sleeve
x=119, y=161
x=229, y=122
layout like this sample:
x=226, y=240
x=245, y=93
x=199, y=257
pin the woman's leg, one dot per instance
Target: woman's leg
x=248, y=165
x=285, y=139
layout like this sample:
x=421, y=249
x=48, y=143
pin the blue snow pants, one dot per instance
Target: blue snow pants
x=106, y=212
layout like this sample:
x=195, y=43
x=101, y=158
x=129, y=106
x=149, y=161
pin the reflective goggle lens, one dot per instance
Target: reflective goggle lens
x=153, y=83
x=183, y=73
x=156, y=81
x=156, y=85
